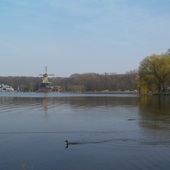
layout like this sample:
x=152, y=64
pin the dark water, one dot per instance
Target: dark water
x=107, y=132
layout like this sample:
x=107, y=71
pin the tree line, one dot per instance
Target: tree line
x=99, y=82
x=152, y=76
x=21, y=83
x=87, y=82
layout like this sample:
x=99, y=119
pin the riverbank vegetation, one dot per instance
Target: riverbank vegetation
x=152, y=77
x=87, y=82
x=154, y=74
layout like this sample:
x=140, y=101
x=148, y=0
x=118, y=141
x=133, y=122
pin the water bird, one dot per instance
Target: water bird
x=87, y=142
x=131, y=119
x=70, y=143
x=66, y=141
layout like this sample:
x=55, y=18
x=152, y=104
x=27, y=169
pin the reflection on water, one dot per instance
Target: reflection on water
x=103, y=131
x=155, y=119
x=44, y=104
x=155, y=104
x=155, y=112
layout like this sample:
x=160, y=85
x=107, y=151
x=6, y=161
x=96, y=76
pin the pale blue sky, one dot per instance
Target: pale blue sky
x=80, y=36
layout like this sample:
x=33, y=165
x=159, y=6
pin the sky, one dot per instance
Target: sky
x=80, y=36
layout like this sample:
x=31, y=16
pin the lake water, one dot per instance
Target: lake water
x=108, y=132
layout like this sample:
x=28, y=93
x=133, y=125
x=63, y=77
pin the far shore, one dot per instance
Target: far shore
x=111, y=92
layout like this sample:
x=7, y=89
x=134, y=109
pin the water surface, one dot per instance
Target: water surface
x=107, y=131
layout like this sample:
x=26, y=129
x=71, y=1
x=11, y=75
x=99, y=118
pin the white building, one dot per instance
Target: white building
x=6, y=88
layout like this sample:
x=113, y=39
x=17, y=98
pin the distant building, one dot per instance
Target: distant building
x=45, y=86
x=6, y=88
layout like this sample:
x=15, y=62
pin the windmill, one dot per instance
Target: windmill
x=45, y=83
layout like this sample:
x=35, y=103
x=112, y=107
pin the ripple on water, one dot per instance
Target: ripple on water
x=107, y=132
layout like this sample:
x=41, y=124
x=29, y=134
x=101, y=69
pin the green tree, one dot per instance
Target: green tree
x=154, y=73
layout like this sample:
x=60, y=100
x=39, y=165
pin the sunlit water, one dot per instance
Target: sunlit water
x=106, y=131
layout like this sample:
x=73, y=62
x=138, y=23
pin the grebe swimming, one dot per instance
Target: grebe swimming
x=66, y=141
x=70, y=143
